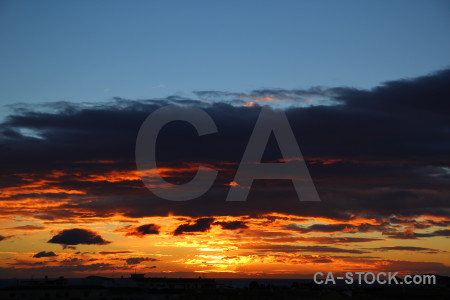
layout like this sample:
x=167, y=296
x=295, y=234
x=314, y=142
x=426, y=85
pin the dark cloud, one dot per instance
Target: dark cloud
x=151, y=267
x=420, y=224
x=143, y=230
x=271, y=95
x=72, y=261
x=374, y=153
x=386, y=228
x=61, y=269
x=200, y=225
x=321, y=227
x=77, y=236
x=322, y=260
x=44, y=254
x=2, y=237
x=138, y=260
x=232, y=225
x=442, y=232
x=323, y=240
x=28, y=227
x=409, y=234
x=295, y=249
x=19, y=262
x=349, y=228
x=114, y=252
x=406, y=248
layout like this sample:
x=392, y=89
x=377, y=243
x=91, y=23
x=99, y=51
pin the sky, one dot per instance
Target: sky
x=364, y=86
x=93, y=51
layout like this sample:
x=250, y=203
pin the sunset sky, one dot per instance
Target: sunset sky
x=365, y=86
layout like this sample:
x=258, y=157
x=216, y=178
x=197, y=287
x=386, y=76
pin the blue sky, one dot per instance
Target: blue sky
x=95, y=50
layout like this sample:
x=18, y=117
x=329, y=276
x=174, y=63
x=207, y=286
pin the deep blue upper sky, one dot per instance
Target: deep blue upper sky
x=95, y=50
